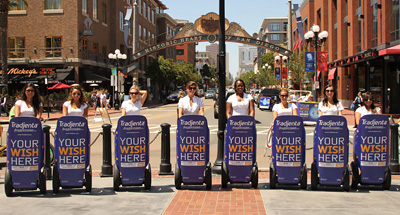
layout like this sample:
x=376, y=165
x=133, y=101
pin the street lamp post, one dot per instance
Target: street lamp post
x=117, y=57
x=315, y=40
x=279, y=59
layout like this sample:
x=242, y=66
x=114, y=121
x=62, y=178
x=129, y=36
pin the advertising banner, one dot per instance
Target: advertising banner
x=284, y=72
x=72, y=149
x=240, y=147
x=371, y=141
x=25, y=151
x=322, y=61
x=309, y=61
x=277, y=73
x=132, y=148
x=265, y=103
x=192, y=147
x=288, y=148
x=308, y=111
x=331, y=148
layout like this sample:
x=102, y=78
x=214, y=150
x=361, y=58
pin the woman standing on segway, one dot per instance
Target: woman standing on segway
x=76, y=103
x=240, y=103
x=330, y=105
x=191, y=104
x=368, y=107
x=133, y=105
x=29, y=104
x=284, y=107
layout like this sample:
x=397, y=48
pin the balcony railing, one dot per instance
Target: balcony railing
x=16, y=52
x=55, y=52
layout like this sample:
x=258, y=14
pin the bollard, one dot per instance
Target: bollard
x=106, y=168
x=46, y=131
x=165, y=166
x=394, y=148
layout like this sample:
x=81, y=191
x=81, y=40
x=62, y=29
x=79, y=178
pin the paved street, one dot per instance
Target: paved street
x=164, y=198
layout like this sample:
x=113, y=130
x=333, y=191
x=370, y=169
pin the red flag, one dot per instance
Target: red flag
x=322, y=61
x=284, y=72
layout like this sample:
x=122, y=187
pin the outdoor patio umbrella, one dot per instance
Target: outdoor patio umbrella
x=59, y=86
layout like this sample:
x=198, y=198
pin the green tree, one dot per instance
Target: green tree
x=297, y=68
x=266, y=76
x=248, y=78
x=185, y=72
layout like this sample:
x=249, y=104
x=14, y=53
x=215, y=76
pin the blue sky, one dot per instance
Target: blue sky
x=249, y=14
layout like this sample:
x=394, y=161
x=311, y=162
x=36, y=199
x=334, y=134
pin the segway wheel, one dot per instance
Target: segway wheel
x=208, y=177
x=272, y=176
x=224, y=175
x=346, y=179
x=42, y=181
x=147, y=178
x=303, y=178
x=356, y=175
x=88, y=179
x=178, y=177
x=254, y=176
x=8, y=188
x=314, y=176
x=56, y=180
x=388, y=179
x=116, y=177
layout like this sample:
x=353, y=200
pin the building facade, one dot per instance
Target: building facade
x=363, y=48
x=185, y=52
x=247, y=53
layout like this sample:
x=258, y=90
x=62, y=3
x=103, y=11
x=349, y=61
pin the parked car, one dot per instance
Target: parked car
x=173, y=97
x=268, y=94
x=228, y=93
x=210, y=94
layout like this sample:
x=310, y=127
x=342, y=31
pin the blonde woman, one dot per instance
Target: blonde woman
x=284, y=107
x=133, y=105
x=76, y=104
x=191, y=104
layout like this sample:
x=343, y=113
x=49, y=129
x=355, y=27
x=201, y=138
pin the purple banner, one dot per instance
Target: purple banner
x=308, y=110
x=25, y=151
x=265, y=103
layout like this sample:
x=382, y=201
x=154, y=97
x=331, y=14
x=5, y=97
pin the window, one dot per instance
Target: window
x=84, y=48
x=121, y=20
x=95, y=49
x=285, y=26
x=374, y=25
x=53, y=46
x=140, y=32
x=144, y=9
x=144, y=34
x=275, y=27
x=104, y=53
x=84, y=6
x=94, y=9
x=274, y=36
x=149, y=37
x=148, y=14
x=152, y=17
x=394, y=33
x=20, y=6
x=140, y=6
x=104, y=13
x=16, y=47
x=52, y=4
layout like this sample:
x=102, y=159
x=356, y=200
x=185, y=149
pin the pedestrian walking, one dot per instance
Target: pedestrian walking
x=76, y=103
x=367, y=107
x=240, y=103
x=191, y=104
x=330, y=105
x=284, y=107
x=29, y=103
x=358, y=100
x=136, y=101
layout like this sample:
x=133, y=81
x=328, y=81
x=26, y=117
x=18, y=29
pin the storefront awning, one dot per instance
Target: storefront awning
x=331, y=74
x=92, y=78
x=391, y=50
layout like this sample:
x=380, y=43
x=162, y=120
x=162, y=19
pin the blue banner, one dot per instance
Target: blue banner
x=240, y=147
x=371, y=142
x=288, y=148
x=308, y=110
x=277, y=73
x=331, y=149
x=192, y=147
x=72, y=150
x=132, y=148
x=265, y=103
x=25, y=151
x=309, y=61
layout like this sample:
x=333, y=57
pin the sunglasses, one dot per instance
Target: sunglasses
x=76, y=94
x=369, y=99
x=240, y=85
x=192, y=88
x=329, y=91
x=30, y=91
x=133, y=93
x=284, y=95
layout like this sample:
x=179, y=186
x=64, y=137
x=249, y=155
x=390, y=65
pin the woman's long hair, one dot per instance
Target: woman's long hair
x=191, y=83
x=36, y=98
x=82, y=98
x=335, y=100
x=367, y=96
x=244, y=85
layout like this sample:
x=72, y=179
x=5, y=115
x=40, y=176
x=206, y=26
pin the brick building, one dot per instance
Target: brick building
x=363, y=47
x=185, y=52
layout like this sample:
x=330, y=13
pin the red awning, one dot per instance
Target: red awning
x=59, y=86
x=318, y=73
x=391, y=50
x=331, y=74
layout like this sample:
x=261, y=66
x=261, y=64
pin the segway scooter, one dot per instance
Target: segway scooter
x=25, y=156
x=132, y=167
x=331, y=149
x=193, y=151
x=288, y=152
x=72, y=154
x=371, y=143
x=239, y=165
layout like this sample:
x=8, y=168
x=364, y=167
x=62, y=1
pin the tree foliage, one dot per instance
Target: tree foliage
x=297, y=68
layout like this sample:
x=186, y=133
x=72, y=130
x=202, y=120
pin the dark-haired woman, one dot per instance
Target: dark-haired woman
x=29, y=104
x=240, y=103
x=76, y=104
x=191, y=104
x=330, y=105
x=368, y=107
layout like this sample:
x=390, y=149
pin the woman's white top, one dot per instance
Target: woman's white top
x=294, y=98
x=240, y=108
x=334, y=110
x=363, y=111
x=103, y=97
x=25, y=111
x=132, y=108
x=75, y=111
x=184, y=103
x=284, y=111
